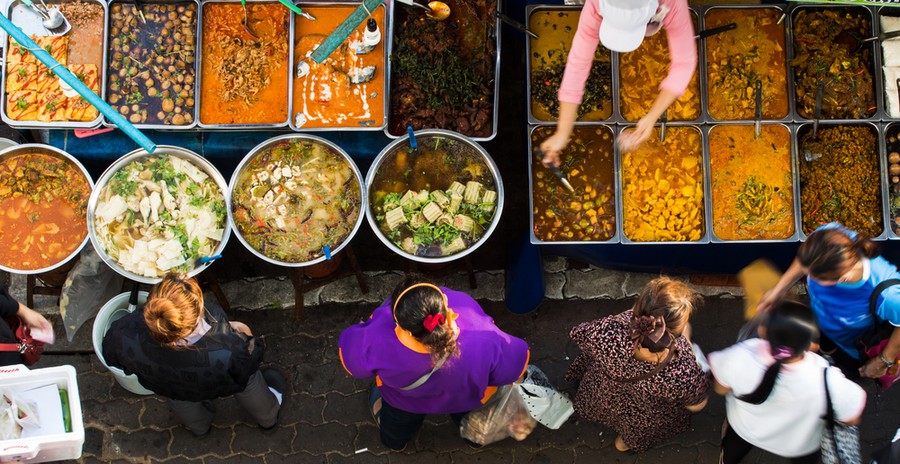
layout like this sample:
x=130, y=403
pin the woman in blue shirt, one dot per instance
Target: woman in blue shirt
x=843, y=268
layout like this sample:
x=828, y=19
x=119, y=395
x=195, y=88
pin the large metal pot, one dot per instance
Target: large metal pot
x=423, y=137
x=55, y=152
x=275, y=141
x=139, y=154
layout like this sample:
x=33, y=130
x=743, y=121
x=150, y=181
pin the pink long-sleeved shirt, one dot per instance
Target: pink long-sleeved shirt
x=682, y=50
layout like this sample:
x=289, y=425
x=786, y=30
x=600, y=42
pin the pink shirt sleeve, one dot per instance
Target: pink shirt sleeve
x=682, y=50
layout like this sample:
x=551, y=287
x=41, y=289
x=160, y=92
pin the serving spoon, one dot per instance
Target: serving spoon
x=247, y=20
x=435, y=10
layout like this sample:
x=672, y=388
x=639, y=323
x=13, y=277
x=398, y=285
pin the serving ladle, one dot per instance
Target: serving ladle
x=855, y=42
x=435, y=10
x=247, y=20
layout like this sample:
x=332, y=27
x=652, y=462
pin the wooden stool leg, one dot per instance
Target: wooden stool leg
x=31, y=282
x=210, y=278
x=354, y=264
x=296, y=275
x=471, y=271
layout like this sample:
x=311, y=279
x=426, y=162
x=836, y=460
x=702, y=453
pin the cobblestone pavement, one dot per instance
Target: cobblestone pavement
x=326, y=418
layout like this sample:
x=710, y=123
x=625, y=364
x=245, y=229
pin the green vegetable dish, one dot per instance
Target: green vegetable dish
x=159, y=214
x=295, y=198
x=434, y=201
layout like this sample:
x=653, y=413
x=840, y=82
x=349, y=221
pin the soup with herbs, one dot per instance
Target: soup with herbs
x=43, y=204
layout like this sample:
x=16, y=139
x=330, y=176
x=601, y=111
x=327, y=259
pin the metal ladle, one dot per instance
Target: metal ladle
x=435, y=10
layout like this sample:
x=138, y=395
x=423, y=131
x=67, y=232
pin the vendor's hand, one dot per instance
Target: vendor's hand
x=241, y=327
x=40, y=327
x=632, y=139
x=768, y=300
x=552, y=147
x=873, y=369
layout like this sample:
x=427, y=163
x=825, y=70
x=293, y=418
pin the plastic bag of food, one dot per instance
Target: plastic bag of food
x=505, y=415
x=542, y=401
x=15, y=414
x=90, y=284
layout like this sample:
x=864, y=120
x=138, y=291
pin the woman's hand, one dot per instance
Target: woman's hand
x=697, y=407
x=873, y=369
x=241, y=327
x=41, y=328
x=552, y=147
x=769, y=299
x=632, y=139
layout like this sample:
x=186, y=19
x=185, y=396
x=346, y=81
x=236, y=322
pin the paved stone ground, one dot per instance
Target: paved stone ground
x=326, y=417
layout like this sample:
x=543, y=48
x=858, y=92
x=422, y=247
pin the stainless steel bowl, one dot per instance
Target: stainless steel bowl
x=56, y=152
x=277, y=141
x=422, y=136
x=138, y=154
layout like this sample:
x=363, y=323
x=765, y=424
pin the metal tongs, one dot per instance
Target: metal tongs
x=296, y=9
x=515, y=24
x=756, y=124
x=555, y=170
x=662, y=125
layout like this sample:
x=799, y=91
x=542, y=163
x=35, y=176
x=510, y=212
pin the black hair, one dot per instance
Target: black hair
x=790, y=329
x=417, y=304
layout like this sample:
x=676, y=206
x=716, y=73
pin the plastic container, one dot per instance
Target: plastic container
x=113, y=310
x=45, y=448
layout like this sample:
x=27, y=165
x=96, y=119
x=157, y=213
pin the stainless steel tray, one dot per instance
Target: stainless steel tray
x=530, y=10
x=386, y=32
x=704, y=162
x=197, y=53
x=199, y=61
x=879, y=135
x=532, y=165
x=882, y=96
x=704, y=52
x=892, y=214
x=795, y=182
x=30, y=23
x=495, y=33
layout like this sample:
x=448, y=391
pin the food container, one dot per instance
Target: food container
x=752, y=184
x=588, y=213
x=891, y=163
x=152, y=66
x=663, y=193
x=436, y=200
x=318, y=103
x=641, y=72
x=252, y=94
x=40, y=223
x=546, y=60
x=755, y=50
x=198, y=199
x=891, y=59
x=845, y=182
x=853, y=85
x=295, y=200
x=82, y=50
x=473, y=25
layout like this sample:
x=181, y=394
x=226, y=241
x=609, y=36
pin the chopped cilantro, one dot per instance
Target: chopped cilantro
x=22, y=71
x=22, y=104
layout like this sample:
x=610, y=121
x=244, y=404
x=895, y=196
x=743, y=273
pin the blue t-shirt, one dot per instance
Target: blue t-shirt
x=842, y=309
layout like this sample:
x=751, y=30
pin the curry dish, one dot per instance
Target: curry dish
x=736, y=59
x=43, y=204
x=347, y=89
x=752, y=190
x=662, y=183
x=244, y=80
x=590, y=212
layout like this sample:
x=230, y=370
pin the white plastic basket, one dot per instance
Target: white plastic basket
x=49, y=447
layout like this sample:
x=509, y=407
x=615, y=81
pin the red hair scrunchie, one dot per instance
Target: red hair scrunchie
x=432, y=321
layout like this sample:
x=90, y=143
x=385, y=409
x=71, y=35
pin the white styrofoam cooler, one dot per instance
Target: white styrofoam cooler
x=49, y=447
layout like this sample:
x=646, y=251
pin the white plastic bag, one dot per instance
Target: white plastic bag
x=543, y=402
x=15, y=414
x=503, y=416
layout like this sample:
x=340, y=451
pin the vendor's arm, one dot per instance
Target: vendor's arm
x=571, y=90
x=877, y=367
x=31, y=318
x=787, y=280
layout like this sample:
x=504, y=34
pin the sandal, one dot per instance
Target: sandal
x=621, y=446
x=375, y=400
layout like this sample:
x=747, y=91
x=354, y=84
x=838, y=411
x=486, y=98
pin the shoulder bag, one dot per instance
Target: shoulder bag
x=418, y=383
x=873, y=343
x=29, y=348
x=840, y=442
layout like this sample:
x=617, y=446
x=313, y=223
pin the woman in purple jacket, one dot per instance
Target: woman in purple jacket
x=431, y=350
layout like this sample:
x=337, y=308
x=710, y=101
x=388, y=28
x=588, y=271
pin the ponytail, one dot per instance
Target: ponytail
x=173, y=309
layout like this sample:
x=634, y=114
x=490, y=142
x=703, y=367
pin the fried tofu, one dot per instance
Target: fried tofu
x=21, y=76
x=22, y=105
x=46, y=81
x=19, y=54
x=78, y=109
x=88, y=75
x=52, y=106
x=57, y=46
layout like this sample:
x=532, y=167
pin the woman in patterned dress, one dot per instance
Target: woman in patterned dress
x=637, y=369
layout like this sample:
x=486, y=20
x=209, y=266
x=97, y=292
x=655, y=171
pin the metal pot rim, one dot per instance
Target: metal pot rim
x=139, y=153
x=390, y=148
x=30, y=148
x=273, y=141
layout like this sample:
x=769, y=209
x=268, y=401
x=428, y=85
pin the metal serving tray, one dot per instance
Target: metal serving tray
x=386, y=32
x=199, y=67
x=704, y=52
x=197, y=53
x=30, y=23
x=892, y=214
x=704, y=162
x=879, y=135
x=879, y=72
x=495, y=33
x=534, y=163
x=531, y=10
x=795, y=182
x=701, y=65
x=874, y=63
